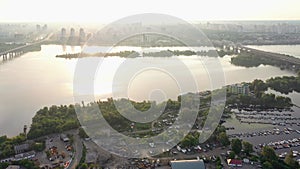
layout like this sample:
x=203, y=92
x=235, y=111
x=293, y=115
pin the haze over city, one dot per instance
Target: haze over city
x=160, y=84
x=108, y=11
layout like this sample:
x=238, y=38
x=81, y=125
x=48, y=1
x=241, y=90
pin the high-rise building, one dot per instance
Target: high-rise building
x=63, y=34
x=25, y=130
x=45, y=27
x=81, y=34
x=38, y=28
x=72, y=33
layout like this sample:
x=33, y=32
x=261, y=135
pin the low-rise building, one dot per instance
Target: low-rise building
x=21, y=148
x=23, y=156
x=234, y=163
x=13, y=167
x=6, y=160
x=190, y=164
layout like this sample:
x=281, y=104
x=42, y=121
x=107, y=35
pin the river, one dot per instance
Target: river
x=39, y=79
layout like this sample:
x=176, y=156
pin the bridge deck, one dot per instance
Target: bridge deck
x=277, y=56
x=24, y=46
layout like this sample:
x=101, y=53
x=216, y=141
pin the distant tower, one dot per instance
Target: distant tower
x=25, y=130
x=89, y=35
x=63, y=34
x=38, y=28
x=81, y=34
x=72, y=33
x=45, y=27
x=144, y=39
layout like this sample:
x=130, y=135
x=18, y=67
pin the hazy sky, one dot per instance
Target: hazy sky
x=109, y=10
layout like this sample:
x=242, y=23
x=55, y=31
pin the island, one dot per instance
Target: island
x=164, y=53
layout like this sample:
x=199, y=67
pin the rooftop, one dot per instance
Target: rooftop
x=190, y=164
x=234, y=161
x=13, y=167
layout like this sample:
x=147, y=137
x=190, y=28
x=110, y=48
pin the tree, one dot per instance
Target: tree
x=83, y=166
x=231, y=155
x=189, y=140
x=258, y=86
x=82, y=133
x=269, y=154
x=289, y=160
x=248, y=147
x=7, y=150
x=4, y=165
x=38, y=146
x=3, y=139
x=28, y=164
x=236, y=145
x=223, y=139
x=267, y=165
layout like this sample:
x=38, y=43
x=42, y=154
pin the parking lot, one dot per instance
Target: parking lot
x=57, y=152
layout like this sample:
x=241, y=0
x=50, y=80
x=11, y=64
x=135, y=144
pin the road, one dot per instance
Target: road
x=21, y=47
x=276, y=56
x=78, y=150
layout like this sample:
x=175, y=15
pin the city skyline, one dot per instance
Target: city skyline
x=107, y=11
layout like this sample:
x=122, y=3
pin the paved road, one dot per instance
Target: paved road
x=34, y=43
x=78, y=150
x=276, y=56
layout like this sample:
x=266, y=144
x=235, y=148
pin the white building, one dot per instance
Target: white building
x=239, y=89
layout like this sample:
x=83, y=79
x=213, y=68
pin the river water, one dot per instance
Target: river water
x=39, y=79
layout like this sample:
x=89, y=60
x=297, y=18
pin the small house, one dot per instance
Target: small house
x=234, y=163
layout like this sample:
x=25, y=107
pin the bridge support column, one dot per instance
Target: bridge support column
x=5, y=56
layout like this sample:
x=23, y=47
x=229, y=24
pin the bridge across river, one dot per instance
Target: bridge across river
x=18, y=51
x=277, y=56
x=12, y=53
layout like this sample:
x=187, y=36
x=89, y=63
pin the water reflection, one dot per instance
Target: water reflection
x=39, y=79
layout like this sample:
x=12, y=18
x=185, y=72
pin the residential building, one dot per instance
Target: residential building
x=22, y=156
x=234, y=163
x=239, y=89
x=81, y=34
x=21, y=148
x=63, y=34
x=72, y=33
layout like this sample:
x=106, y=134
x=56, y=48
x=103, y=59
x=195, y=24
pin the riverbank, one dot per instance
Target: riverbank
x=60, y=119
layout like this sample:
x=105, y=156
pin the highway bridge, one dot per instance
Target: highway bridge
x=277, y=56
x=18, y=51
